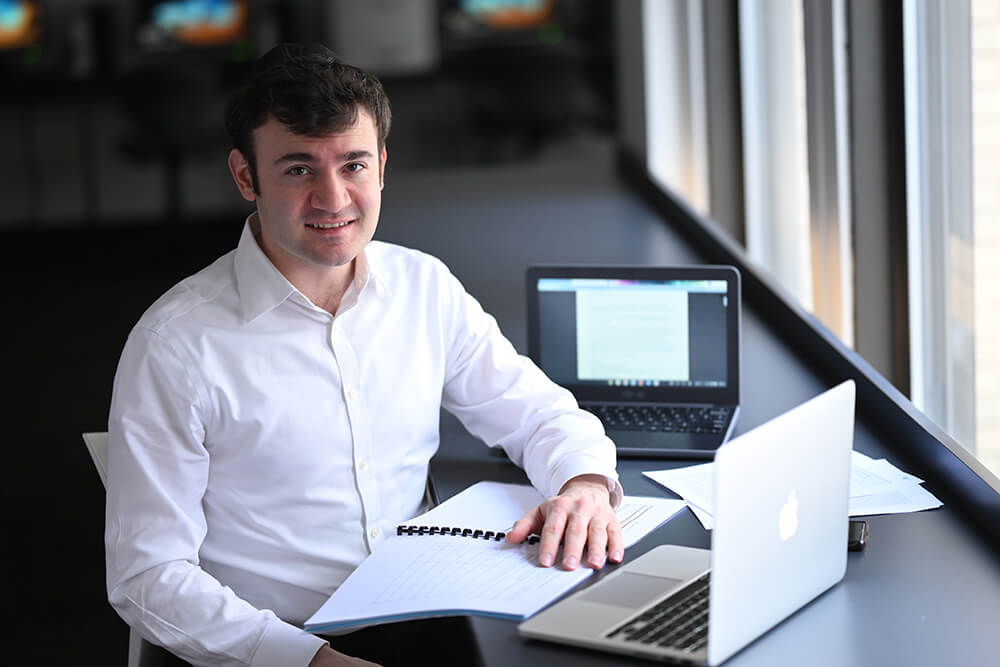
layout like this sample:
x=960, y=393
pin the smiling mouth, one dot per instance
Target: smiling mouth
x=331, y=225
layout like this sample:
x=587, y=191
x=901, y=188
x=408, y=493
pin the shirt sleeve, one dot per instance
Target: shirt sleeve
x=503, y=398
x=158, y=469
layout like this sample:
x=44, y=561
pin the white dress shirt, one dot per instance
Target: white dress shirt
x=260, y=448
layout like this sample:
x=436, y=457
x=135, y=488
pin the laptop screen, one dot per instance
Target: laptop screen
x=654, y=331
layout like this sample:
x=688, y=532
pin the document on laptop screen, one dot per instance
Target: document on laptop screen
x=626, y=333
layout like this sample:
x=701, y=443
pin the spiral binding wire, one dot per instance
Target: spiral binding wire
x=458, y=532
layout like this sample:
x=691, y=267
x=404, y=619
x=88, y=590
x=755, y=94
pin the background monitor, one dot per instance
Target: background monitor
x=20, y=24
x=167, y=32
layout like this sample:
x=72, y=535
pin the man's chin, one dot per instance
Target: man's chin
x=339, y=259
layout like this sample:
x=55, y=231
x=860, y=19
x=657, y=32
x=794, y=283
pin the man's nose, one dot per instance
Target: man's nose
x=330, y=194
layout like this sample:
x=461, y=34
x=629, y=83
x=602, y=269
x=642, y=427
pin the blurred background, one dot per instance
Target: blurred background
x=111, y=109
x=114, y=186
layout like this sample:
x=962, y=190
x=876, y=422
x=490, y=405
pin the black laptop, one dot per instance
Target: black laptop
x=654, y=352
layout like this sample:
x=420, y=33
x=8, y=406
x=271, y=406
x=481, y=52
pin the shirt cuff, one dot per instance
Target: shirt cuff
x=285, y=644
x=616, y=491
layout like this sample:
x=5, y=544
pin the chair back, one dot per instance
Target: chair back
x=140, y=652
x=97, y=445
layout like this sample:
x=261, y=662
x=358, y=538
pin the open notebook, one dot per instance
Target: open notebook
x=429, y=569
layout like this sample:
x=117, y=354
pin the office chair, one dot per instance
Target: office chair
x=141, y=653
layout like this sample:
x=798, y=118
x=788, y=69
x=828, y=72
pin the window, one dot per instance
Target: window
x=986, y=227
x=953, y=156
x=788, y=103
x=813, y=85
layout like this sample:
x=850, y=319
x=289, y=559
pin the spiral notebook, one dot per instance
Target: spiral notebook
x=454, y=560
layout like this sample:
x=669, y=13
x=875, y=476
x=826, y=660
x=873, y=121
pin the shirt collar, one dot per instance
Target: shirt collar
x=367, y=271
x=262, y=287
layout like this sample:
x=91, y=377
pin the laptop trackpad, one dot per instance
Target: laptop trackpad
x=629, y=590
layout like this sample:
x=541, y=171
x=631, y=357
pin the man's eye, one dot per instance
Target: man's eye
x=297, y=171
x=354, y=167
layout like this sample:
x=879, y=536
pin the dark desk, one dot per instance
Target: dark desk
x=927, y=589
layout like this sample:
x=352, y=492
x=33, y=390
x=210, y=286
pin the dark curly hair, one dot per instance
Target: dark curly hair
x=310, y=91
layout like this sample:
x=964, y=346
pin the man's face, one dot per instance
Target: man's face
x=319, y=197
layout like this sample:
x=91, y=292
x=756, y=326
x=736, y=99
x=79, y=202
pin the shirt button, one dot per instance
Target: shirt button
x=352, y=394
x=363, y=464
x=374, y=532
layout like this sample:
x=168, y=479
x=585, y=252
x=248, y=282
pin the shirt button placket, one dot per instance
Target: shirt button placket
x=360, y=431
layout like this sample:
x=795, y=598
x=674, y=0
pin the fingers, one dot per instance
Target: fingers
x=616, y=541
x=552, y=532
x=575, y=538
x=549, y=521
x=597, y=544
x=546, y=521
x=579, y=526
x=526, y=525
x=579, y=519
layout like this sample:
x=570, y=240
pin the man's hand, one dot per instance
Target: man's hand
x=327, y=657
x=580, y=515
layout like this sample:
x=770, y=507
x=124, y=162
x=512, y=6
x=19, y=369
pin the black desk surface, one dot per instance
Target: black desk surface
x=927, y=589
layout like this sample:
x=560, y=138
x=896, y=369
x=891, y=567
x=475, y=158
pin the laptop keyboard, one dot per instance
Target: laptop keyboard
x=679, y=622
x=665, y=418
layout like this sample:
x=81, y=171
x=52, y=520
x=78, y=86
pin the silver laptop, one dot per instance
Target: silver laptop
x=652, y=351
x=780, y=539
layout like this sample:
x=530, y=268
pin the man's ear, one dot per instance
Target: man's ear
x=381, y=168
x=240, y=169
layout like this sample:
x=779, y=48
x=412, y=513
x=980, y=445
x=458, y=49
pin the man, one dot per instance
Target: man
x=273, y=415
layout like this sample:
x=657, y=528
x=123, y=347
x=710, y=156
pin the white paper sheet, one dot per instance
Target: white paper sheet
x=876, y=487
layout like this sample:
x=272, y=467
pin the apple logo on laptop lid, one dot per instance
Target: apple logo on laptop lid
x=788, y=518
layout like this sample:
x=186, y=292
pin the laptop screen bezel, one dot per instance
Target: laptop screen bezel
x=585, y=393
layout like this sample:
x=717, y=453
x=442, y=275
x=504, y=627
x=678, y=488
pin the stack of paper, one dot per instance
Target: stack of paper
x=877, y=487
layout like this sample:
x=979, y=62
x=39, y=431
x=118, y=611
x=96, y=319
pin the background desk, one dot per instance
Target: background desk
x=927, y=589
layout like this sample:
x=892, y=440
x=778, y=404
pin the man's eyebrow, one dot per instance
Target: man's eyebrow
x=309, y=157
x=356, y=155
x=295, y=157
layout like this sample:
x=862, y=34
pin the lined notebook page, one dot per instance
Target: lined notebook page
x=411, y=576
